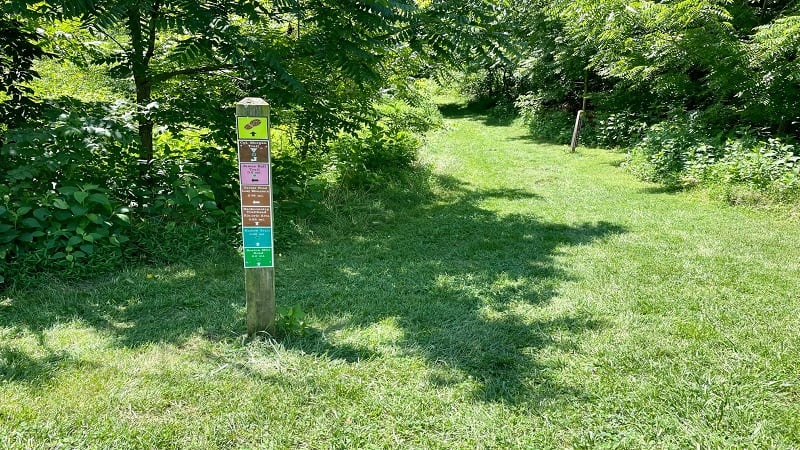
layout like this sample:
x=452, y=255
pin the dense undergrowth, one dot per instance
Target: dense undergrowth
x=76, y=200
x=678, y=148
x=742, y=165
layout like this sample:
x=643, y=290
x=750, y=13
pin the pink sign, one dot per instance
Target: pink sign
x=251, y=174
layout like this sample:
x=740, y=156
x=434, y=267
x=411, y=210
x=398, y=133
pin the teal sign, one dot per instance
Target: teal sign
x=257, y=237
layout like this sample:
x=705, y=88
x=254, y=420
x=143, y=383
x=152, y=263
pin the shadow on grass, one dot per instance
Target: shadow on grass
x=476, y=111
x=134, y=308
x=465, y=286
x=664, y=189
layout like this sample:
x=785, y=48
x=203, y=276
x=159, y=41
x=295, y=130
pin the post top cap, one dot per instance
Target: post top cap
x=253, y=101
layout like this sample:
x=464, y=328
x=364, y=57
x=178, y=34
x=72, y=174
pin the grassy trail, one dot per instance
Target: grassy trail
x=514, y=296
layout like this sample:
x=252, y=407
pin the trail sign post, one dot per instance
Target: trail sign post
x=252, y=130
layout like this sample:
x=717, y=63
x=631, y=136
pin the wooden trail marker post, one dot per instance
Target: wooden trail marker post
x=576, y=131
x=255, y=173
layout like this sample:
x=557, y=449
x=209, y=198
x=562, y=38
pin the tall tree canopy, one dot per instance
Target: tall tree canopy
x=739, y=55
x=323, y=61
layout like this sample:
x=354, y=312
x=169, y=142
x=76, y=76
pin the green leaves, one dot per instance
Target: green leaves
x=62, y=228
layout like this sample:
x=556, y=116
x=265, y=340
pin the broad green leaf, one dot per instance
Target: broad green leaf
x=68, y=190
x=79, y=210
x=42, y=214
x=30, y=222
x=100, y=199
x=62, y=216
x=80, y=196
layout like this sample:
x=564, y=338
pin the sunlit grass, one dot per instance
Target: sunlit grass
x=510, y=295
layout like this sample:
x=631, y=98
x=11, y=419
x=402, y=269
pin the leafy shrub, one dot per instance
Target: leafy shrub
x=75, y=143
x=545, y=124
x=179, y=217
x=76, y=200
x=661, y=156
x=74, y=228
x=373, y=155
x=740, y=168
x=297, y=188
x=291, y=321
x=615, y=130
x=743, y=167
x=397, y=115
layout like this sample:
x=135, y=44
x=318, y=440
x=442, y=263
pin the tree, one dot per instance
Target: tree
x=158, y=40
x=323, y=62
x=18, y=51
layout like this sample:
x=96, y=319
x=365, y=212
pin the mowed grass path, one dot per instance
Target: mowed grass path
x=511, y=296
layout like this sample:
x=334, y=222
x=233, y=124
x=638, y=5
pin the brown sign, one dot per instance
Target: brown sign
x=255, y=196
x=256, y=216
x=253, y=151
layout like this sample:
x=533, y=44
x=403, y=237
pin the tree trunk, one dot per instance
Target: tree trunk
x=143, y=97
x=143, y=46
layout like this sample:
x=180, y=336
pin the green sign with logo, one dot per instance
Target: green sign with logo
x=251, y=128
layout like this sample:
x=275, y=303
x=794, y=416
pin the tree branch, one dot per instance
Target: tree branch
x=151, y=31
x=190, y=71
x=101, y=30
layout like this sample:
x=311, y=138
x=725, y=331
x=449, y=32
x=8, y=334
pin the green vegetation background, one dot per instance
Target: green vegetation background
x=448, y=276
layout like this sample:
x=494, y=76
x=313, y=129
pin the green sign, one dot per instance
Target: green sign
x=251, y=127
x=257, y=257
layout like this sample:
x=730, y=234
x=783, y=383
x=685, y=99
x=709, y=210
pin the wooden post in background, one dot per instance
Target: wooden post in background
x=255, y=173
x=576, y=131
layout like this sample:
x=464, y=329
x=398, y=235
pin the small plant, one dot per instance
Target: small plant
x=290, y=320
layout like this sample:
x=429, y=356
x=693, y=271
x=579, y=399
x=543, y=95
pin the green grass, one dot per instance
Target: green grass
x=510, y=295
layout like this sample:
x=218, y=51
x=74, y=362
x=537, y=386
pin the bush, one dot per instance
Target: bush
x=373, y=155
x=662, y=154
x=75, y=199
x=545, y=124
x=739, y=168
x=760, y=170
x=73, y=228
x=615, y=130
x=178, y=216
x=298, y=189
x=398, y=115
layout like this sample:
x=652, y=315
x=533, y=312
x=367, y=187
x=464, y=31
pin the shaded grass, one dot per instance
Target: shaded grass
x=507, y=295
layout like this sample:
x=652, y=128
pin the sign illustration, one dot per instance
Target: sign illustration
x=254, y=173
x=253, y=128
